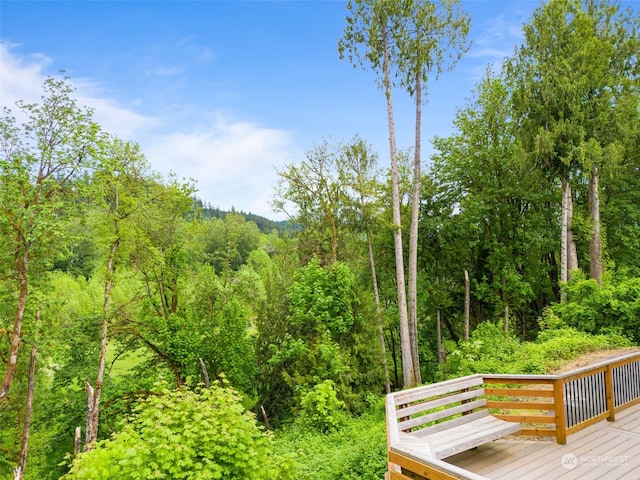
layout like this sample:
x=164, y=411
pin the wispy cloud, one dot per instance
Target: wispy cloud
x=164, y=71
x=232, y=161
x=497, y=38
x=21, y=75
x=494, y=41
x=190, y=44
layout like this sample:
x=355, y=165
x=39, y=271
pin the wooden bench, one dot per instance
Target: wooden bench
x=436, y=421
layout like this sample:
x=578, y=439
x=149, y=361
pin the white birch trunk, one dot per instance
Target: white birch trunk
x=408, y=371
x=467, y=304
x=595, y=243
x=413, y=241
x=566, y=194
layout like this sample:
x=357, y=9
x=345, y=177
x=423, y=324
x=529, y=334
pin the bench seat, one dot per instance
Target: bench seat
x=463, y=437
x=440, y=420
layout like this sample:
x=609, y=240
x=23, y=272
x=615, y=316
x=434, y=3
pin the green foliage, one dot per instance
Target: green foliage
x=488, y=212
x=614, y=307
x=229, y=242
x=303, y=338
x=320, y=407
x=322, y=299
x=356, y=450
x=490, y=350
x=183, y=434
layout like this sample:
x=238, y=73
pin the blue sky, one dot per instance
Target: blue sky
x=225, y=92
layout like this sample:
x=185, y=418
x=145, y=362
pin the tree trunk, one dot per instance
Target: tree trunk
x=439, y=333
x=93, y=405
x=408, y=371
x=467, y=304
x=77, y=440
x=334, y=239
x=506, y=305
x=24, y=446
x=413, y=241
x=595, y=243
x=568, y=250
x=205, y=373
x=564, y=234
x=572, y=251
x=566, y=195
x=21, y=262
x=376, y=294
x=439, y=328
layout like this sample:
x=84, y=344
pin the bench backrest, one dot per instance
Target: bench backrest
x=427, y=407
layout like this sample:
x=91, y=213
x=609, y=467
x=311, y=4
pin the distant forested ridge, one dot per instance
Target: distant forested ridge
x=264, y=224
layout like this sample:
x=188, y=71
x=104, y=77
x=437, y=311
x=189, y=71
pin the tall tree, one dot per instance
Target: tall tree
x=119, y=187
x=161, y=258
x=368, y=40
x=576, y=95
x=314, y=188
x=432, y=41
x=358, y=168
x=411, y=39
x=39, y=161
x=496, y=220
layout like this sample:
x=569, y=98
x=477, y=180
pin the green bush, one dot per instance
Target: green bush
x=320, y=407
x=183, y=434
x=356, y=450
x=491, y=350
x=593, y=308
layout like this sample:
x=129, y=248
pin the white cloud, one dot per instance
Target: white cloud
x=21, y=77
x=495, y=42
x=233, y=162
x=164, y=71
x=113, y=117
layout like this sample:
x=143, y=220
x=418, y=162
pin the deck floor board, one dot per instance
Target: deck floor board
x=604, y=451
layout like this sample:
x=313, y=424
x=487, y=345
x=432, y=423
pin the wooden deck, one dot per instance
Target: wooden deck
x=604, y=451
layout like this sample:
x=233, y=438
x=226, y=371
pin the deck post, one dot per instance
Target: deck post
x=608, y=385
x=558, y=407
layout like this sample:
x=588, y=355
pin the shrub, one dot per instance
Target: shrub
x=321, y=408
x=355, y=450
x=490, y=350
x=184, y=434
x=595, y=309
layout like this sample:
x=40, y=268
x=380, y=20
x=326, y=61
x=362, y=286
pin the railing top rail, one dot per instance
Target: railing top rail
x=621, y=360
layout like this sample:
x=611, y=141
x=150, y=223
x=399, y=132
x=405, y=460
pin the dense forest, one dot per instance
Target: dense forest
x=146, y=334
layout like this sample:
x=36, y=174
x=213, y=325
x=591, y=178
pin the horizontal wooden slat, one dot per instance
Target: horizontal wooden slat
x=521, y=405
x=438, y=402
x=448, y=412
x=586, y=423
x=436, y=389
x=398, y=476
x=418, y=468
x=526, y=418
x=518, y=392
x=584, y=374
x=519, y=379
x=439, y=427
x=432, y=469
x=628, y=404
x=538, y=432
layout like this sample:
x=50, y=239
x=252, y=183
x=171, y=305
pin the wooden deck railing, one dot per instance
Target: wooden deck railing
x=559, y=405
x=545, y=405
